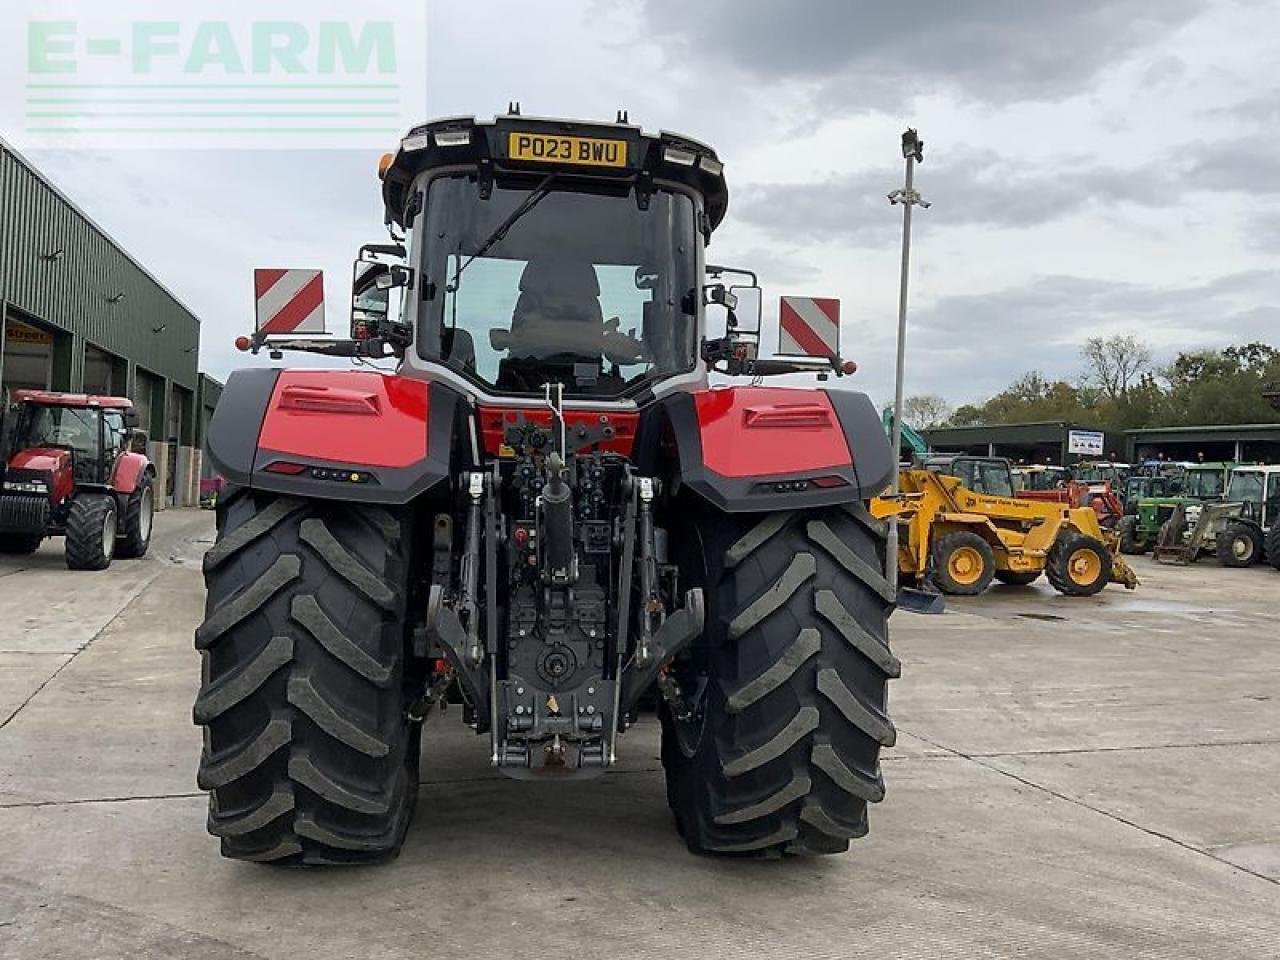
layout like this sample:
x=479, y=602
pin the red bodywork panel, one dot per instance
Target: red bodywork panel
x=47, y=398
x=128, y=471
x=54, y=461
x=1100, y=497
x=347, y=416
x=495, y=420
x=769, y=431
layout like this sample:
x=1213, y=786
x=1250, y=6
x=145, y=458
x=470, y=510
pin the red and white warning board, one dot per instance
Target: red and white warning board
x=289, y=301
x=809, y=327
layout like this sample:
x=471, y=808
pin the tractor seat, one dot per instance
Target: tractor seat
x=556, y=296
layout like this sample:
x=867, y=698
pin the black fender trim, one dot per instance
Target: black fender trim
x=232, y=441
x=675, y=418
x=233, y=437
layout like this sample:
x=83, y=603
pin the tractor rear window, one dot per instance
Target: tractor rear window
x=589, y=290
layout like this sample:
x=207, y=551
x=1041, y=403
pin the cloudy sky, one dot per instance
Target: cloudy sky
x=1095, y=166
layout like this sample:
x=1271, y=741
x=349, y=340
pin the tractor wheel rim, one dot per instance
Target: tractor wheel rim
x=1241, y=547
x=109, y=534
x=965, y=565
x=1084, y=566
x=144, y=518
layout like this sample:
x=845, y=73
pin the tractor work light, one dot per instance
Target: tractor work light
x=452, y=138
x=417, y=141
x=26, y=486
x=679, y=156
x=711, y=166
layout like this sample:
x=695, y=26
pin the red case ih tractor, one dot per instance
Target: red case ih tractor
x=545, y=515
x=70, y=471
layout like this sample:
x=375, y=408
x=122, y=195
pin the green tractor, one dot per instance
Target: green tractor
x=1151, y=498
x=1235, y=528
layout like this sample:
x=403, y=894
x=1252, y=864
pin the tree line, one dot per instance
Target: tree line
x=1120, y=387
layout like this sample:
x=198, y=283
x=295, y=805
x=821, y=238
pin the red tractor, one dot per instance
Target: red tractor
x=69, y=469
x=546, y=514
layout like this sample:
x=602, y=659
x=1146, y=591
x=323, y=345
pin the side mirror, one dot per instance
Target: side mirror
x=370, y=298
x=130, y=418
x=394, y=278
x=719, y=293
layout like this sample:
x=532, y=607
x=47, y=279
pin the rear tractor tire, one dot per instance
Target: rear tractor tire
x=1078, y=565
x=91, y=532
x=1130, y=543
x=309, y=755
x=139, y=512
x=1273, y=545
x=779, y=751
x=963, y=564
x=1239, y=545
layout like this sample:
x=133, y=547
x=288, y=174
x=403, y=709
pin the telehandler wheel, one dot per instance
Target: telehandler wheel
x=778, y=749
x=963, y=564
x=1273, y=545
x=308, y=750
x=1239, y=545
x=91, y=532
x=1130, y=544
x=139, y=512
x=1078, y=565
x=1018, y=578
x=17, y=543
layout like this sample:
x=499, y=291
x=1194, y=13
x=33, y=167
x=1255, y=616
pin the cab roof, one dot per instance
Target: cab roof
x=491, y=147
x=47, y=398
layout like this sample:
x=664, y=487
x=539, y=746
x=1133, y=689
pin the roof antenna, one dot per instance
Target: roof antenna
x=513, y=108
x=622, y=117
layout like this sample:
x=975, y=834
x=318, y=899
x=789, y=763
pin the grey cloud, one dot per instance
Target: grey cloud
x=1248, y=165
x=972, y=188
x=995, y=51
x=1063, y=311
x=1262, y=231
x=1262, y=110
x=1164, y=70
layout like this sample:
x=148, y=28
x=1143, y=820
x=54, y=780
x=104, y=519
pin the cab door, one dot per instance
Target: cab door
x=1271, y=502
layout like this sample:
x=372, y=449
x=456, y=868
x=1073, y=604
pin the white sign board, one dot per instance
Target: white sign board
x=1088, y=443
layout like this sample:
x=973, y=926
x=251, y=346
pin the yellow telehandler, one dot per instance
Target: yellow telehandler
x=958, y=540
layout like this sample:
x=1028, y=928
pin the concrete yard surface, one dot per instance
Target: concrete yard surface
x=1073, y=778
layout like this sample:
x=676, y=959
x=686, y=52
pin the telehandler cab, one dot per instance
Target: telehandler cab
x=545, y=512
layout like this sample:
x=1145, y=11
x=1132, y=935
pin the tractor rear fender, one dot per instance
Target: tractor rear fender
x=747, y=449
x=334, y=434
x=129, y=469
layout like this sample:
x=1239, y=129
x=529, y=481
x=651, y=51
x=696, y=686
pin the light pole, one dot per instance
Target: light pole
x=908, y=197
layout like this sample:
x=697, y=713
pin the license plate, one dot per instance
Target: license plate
x=583, y=151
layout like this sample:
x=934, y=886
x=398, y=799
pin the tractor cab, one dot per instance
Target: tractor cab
x=69, y=468
x=566, y=253
x=1207, y=481
x=1041, y=477
x=1257, y=490
x=992, y=476
x=1104, y=471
